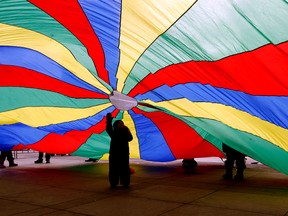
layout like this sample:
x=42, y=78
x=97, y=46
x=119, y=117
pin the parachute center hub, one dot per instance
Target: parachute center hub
x=121, y=101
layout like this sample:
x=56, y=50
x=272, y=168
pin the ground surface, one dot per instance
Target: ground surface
x=71, y=186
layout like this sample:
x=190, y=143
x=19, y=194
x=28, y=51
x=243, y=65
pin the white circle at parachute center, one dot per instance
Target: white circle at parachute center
x=121, y=101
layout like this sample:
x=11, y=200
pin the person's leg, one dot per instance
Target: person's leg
x=113, y=178
x=189, y=165
x=47, y=157
x=11, y=159
x=2, y=159
x=113, y=173
x=125, y=175
x=229, y=164
x=240, y=165
x=40, y=158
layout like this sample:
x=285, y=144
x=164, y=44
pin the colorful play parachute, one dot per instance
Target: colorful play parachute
x=185, y=76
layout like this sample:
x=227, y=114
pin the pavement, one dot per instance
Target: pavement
x=70, y=186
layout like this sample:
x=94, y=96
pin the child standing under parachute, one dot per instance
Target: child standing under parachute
x=119, y=169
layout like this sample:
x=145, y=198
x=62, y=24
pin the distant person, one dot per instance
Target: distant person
x=40, y=158
x=119, y=169
x=231, y=156
x=9, y=156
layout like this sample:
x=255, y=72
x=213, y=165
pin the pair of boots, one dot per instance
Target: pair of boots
x=229, y=166
x=239, y=158
x=229, y=170
x=40, y=158
x=229, y=175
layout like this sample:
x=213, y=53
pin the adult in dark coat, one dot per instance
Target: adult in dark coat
x=119, y=169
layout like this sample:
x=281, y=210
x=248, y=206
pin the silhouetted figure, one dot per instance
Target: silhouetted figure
x=40, y=158
x=9, y=156
x=119, y=169
x=231, y=156
x=189, y=165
